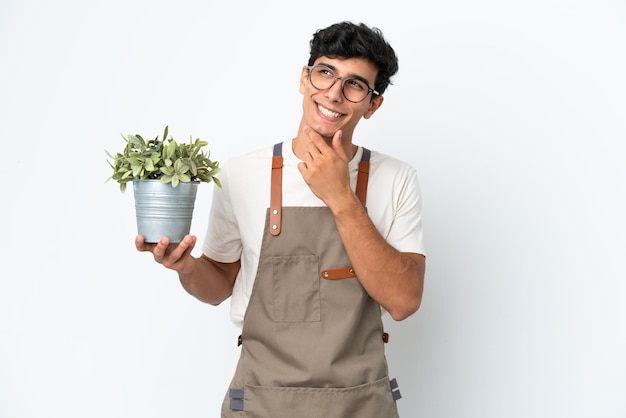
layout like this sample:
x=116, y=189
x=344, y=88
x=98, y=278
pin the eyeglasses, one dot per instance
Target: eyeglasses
x=355, y=90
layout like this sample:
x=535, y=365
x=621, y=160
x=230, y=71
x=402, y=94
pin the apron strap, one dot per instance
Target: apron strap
x=276, y=198
x=361, y=180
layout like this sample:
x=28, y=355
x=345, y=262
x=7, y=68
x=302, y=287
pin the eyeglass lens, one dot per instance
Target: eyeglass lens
x=323, y=78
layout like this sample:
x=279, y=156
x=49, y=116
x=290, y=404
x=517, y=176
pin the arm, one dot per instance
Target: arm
x=208, y=280
x=393, y=279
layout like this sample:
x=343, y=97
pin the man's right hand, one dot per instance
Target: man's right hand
x=174, y=256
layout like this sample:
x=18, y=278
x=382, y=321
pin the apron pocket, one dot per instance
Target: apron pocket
x=296, y=289
x=371, y=400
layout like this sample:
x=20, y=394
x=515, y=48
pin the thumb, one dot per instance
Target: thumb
x=338, y=145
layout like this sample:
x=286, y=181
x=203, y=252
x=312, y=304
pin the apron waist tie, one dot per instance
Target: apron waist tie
x=385, y=339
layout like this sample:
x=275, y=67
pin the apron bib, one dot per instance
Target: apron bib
x=312, y=338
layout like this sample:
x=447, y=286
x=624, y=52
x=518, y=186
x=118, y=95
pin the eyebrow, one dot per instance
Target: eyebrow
x=352, y=76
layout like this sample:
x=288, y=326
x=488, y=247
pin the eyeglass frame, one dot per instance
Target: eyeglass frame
x=343, y=81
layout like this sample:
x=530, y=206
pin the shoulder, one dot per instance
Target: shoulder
x=392, y=177
x=251, y=157
x=247, y=165
x=386, y=165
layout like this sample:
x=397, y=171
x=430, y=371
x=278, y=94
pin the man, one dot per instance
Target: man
x=311, y=238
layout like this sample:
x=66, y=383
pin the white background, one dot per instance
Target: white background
x=513, y=112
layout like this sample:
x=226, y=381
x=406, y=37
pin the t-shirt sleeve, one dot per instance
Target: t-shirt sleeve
x=406, y=233
x=222, y=241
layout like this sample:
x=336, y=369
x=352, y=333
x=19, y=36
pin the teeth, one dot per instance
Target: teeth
x=327, y=112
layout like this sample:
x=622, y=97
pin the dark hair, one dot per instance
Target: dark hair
x=349, y=40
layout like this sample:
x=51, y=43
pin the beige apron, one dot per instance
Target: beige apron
x=312, y=338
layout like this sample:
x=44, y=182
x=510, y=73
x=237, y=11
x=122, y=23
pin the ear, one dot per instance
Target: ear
x=374, y=105
x=303, y=79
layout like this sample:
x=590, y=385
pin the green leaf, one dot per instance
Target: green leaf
x=171, y=149
x=163, y=159
x=179, y=166
x=168, y=171
x=137, y=169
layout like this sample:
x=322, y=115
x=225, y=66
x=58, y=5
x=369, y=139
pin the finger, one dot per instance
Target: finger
x=316, y=142
x=184, y=248
x=178, y=253
x=142, y=245
x=303, y=167
x=139, y=243
x=308, y=131
x=338, y=145
x=160, y=249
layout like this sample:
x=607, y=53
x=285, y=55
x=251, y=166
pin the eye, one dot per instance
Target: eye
x=325, y=72
x=356, y=84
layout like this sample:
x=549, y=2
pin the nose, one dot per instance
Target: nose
x=335, y=92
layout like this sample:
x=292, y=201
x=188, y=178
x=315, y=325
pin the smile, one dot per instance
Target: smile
x=328, y=112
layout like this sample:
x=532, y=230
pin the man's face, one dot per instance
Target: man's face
x=327, y=110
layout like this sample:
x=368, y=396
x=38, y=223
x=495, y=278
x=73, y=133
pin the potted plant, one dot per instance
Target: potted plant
x=165, y=175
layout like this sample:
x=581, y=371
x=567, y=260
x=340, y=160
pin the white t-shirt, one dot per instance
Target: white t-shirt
x=237, y=218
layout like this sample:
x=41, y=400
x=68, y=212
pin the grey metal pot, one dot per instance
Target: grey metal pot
x=163, y=210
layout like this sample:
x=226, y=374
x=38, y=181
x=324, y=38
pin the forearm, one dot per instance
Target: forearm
x=209, y=281
x=393, y=279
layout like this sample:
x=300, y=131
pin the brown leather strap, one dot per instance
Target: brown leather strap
x=276, y=196
x=276, y=202
x=385, y=337
x=335, y=274
x=364, y=170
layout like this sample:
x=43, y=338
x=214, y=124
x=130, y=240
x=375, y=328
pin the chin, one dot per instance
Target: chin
x=326, y=133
